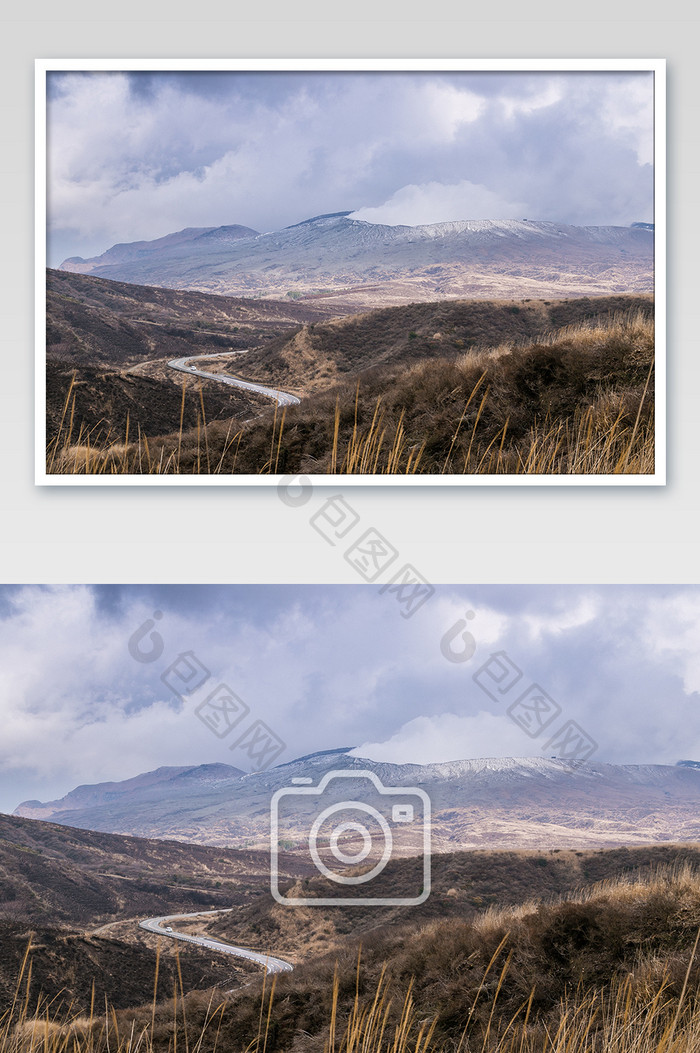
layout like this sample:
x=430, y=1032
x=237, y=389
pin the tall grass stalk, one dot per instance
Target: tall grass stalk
x=611, y=432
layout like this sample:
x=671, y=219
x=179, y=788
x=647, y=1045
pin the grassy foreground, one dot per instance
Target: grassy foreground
x=614, y=968
x=577, y=402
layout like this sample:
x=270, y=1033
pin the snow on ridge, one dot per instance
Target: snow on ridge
x=481, y=767
x=521, y=228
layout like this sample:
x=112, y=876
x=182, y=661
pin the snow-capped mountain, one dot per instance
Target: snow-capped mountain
x=336, y=254
x=512, y=802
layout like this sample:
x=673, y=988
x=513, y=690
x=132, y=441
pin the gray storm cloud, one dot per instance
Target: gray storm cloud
x=329, y=666
x=133, y=156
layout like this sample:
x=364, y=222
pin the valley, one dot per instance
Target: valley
x=70, y=891
x=562, y=916
x=376, y=346
x=561, y=876
x=146, y=380
x=108, y=349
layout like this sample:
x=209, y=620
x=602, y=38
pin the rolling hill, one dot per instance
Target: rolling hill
x=570, y=380
x=608, y=967
x=328, y=351
x=58, y=873
x=110, y=323
x=108, y=344
x=76, y=895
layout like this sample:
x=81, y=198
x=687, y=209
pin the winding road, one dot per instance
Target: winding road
x=160, y=926
x=282, y=398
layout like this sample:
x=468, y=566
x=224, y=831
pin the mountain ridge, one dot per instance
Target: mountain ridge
x=485, y=802
x=335, y=254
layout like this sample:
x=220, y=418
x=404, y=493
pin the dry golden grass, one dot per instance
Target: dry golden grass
x=631, y=1016
x=98, y=1031
x=652, y=1007
x=681, y=881
x=470, y=416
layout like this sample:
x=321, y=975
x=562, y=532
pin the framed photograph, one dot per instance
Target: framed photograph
x=440, y=272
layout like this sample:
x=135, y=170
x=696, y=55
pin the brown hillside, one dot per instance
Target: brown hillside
x=464, y=884
x=96, y=321
x=78, y=895
x=581, y=402
x=323, y=352
x=389, y=399
x=108, y=344
x=561, y=959
x=52, y=873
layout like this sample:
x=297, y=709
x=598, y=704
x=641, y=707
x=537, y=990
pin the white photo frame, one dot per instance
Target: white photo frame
x=655, y=66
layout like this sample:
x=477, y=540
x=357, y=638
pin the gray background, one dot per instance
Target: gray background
x=483, y=534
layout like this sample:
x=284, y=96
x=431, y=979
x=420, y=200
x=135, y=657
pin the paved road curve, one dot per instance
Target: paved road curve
x=282, y=398
x=161, y=927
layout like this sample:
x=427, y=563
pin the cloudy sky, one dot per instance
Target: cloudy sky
x=327, y=666
x=137, y=156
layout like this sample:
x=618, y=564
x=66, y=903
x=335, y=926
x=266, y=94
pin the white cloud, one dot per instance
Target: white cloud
x=552, y=92
x=448, y=737
x=566, y=617
x=76, y=707
x=448, y=109
x=671, y=628
x=628, y=111
x=488, y=625
x=437, y=203
x=336, y=666
x=126, y=163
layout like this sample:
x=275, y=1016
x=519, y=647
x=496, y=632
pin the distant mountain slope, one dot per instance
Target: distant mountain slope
x=51, y=873
x=376, y=264
x=171, y=244
x=152, y=786
x=511, y=803
x=91, y=321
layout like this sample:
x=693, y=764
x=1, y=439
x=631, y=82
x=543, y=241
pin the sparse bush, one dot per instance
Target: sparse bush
x=611, y=970
x=579, y=401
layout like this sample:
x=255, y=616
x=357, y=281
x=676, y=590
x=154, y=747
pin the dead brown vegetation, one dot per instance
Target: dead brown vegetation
x=578, y=401
x=614, y=968
x=325, y=352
